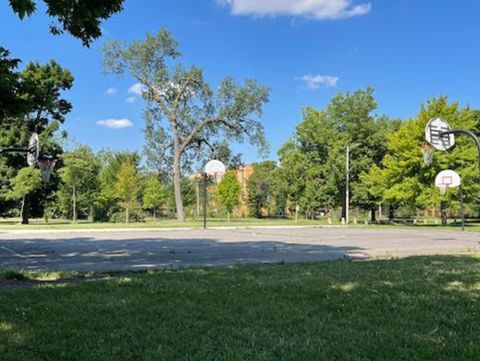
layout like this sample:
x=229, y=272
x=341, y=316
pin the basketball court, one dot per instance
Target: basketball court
x=149, y=249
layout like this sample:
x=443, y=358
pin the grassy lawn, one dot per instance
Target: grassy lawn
x=40, y=224
x=11, y=224
x=424, y=308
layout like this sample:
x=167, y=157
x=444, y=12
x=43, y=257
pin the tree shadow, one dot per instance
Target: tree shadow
x=92, y=254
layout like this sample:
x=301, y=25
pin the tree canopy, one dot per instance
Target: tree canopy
x=195, y=114
x=80, y=18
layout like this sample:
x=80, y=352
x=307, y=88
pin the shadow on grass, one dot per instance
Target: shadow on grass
x=419, y=308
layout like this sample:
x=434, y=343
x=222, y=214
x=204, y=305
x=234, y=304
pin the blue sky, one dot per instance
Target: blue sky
x=305, y=51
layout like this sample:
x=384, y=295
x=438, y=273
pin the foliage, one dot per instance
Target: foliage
x=26, y=181
x=407, y=181
x=261, y=190
x=228, y=192
x=195, y=113
x=11, y=102
x=79, y=186
x=154, y=196
x=106, y=203
x=82, y=19
x=41, y=108
x=128, y=188
x=312, y=173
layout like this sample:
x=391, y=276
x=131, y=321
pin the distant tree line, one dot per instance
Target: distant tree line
x=386, y=163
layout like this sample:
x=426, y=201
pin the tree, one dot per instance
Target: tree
x=79, y=177
x=228, y=192
x=260, y=188
x=82, y=19
x=153, y=195
x=194, y=112
x=128, y=187
x=26, y=181
x=106, y=203
x=314, y=161
x=407, y=181
x=11, y=101
x=42, y=108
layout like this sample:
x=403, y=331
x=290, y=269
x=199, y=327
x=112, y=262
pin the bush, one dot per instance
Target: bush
x=135, y=215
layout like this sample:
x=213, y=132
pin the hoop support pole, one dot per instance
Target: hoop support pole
x=471, y=135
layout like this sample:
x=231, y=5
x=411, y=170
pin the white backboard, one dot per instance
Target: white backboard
x=447, y=179
x=34, y=146
x=215, y=167
x=433, y=135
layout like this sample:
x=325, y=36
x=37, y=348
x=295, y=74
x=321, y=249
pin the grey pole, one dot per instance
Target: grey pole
x=462, y=208
x=347, y=190
x=205, y=178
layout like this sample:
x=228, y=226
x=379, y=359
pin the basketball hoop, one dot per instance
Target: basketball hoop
x=33, y=150
x=427, y=152
x=447, y=179
x=218, y=176
x=46, y=167
x=434, y=134
x=215, y=169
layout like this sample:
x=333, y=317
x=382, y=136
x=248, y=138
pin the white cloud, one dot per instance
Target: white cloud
x=317, y=9
x=115, y=123
x=111, y=91
x=316, y=81
x=137, y=89
x=130, y=100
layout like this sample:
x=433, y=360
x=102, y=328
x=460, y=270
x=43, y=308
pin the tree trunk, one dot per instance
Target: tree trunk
x=198, y=197
x=154, y=215
x=373, y=211
x=22, y=210
x=228, y=217
x=25, y=209
x=74, y=200
x=126, y=215
x=391, y=213
x=443, y=208
x=177, y=177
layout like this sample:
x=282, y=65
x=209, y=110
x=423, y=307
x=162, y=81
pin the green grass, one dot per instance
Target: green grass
x=9, y=224
x=423, y=308
x=62, y=224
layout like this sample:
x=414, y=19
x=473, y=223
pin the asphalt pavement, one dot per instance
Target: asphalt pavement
x=100, y=250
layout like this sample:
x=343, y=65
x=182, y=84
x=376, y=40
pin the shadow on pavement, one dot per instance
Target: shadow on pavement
x=91, y=254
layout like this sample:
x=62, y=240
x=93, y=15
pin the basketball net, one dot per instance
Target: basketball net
x=446, y=183
x=46, y=167
x=443, y=189
x=427, y=152
x=217, y=176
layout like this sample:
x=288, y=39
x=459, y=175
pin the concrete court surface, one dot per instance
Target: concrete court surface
x=142, y=249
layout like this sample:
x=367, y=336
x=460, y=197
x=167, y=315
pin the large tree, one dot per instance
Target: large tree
x=128, y=188
x=80, y=18
x=228, y=192
x=404, y=178
x=194, y=113
x=42, y=109
x=154, y=196
x=26, y=181
x=79, y=186
x=313, y=163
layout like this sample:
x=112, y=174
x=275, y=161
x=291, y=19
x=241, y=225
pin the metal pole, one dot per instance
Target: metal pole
x=205, y=178
x=462, y=208
x=470, y=134
x=347, y=190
